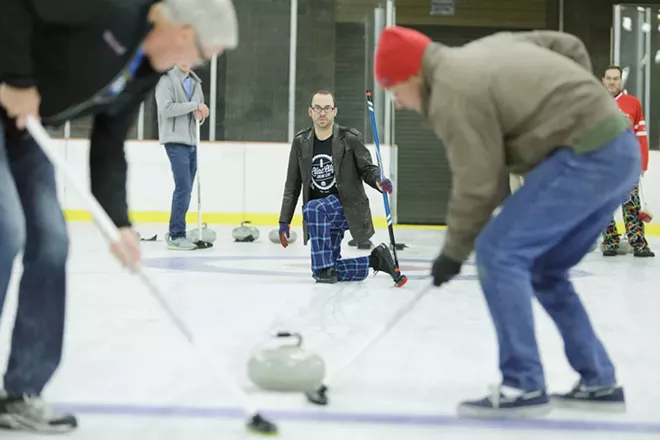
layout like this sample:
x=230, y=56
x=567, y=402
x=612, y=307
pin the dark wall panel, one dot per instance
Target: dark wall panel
x=424, y=177
x=353, y=75
x=257, y=79
x=315, y=65
x=514, y=14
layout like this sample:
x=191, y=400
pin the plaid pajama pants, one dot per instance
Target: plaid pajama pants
x=634, y=226
x=326, y=225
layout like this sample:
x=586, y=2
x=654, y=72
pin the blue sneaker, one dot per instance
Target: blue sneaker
x=607, y=399
x=507, y=403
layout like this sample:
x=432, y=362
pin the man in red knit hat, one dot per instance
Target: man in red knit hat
x=632, y=205
x=522, y=103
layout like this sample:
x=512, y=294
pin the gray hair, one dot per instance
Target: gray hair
x=214, y=20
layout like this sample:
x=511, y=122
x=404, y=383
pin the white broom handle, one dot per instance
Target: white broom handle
x=641, y=192
x=109, y=229
x=42, y=137
x=199, y=187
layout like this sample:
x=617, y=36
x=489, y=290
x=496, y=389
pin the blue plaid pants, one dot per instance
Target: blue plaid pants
x=326, y=225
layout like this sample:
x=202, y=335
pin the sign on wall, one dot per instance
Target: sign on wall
x=443, y=7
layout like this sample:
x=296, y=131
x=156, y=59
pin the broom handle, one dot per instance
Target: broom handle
x=199, y=180
x=641, y=192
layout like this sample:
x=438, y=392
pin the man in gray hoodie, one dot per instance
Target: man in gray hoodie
x=180, y=104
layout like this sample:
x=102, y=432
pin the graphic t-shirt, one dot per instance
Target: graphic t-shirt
x=323, y=172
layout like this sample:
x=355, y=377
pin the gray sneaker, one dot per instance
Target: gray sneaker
x=180, y=244
x=31, y=413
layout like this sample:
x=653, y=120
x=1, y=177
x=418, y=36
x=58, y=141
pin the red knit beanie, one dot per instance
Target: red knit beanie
x=399, y=55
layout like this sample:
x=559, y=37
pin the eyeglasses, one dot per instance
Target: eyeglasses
x=326, y=109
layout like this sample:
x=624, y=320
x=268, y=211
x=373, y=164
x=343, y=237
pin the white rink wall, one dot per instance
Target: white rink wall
x=236, y=178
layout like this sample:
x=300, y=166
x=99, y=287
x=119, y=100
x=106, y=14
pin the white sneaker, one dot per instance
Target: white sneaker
x=180, y=244
x=29, y=413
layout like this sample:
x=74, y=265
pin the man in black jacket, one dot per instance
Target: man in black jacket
x=60, y=60
x=330, y=162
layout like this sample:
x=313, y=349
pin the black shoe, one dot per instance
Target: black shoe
x=381, y=260
x=644, y=253
x=30, y=413
x=514, y=404
x=610, y=253
x=609, y=399
x=365, y=245
x=327, y=275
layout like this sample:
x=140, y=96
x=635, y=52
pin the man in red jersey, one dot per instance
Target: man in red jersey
x=632, y=206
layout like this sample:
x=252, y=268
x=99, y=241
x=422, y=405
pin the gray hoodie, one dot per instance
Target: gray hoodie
x=176, y=121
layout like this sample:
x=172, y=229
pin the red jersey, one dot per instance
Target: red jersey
x=631, y=106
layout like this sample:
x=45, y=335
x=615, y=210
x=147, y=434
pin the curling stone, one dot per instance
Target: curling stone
x=274, y=236
x=285, y=366
x=623, y=248
x=244, y=233
x=208, y=235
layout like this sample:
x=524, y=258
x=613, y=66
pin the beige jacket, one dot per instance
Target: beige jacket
x=501, y=105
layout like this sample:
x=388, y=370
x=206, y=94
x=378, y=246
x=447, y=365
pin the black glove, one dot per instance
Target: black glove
x=444, y=269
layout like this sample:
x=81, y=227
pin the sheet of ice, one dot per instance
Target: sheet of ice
x=129, y=374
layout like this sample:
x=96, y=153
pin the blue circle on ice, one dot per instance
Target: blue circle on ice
x=411, y=267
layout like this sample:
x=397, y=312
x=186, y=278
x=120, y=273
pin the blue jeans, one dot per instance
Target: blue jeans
x=183, y=159
x=31, y=220
x=526, y=251
x=326, y=225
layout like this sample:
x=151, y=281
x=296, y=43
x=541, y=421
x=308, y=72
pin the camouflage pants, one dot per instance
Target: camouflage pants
x=634, y=226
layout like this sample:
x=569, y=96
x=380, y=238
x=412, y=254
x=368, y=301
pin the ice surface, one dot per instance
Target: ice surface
x=129, y=374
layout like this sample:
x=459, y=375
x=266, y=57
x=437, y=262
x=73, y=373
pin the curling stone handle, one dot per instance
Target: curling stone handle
x=298, y=336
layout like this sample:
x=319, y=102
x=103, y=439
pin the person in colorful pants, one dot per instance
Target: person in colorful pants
x=525, y=103
x=329, y=163
x=632, y=206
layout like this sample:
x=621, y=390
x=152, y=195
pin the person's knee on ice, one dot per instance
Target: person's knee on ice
x=326, y=275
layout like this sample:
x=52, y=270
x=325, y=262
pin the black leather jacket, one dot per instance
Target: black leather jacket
x=353, y=165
